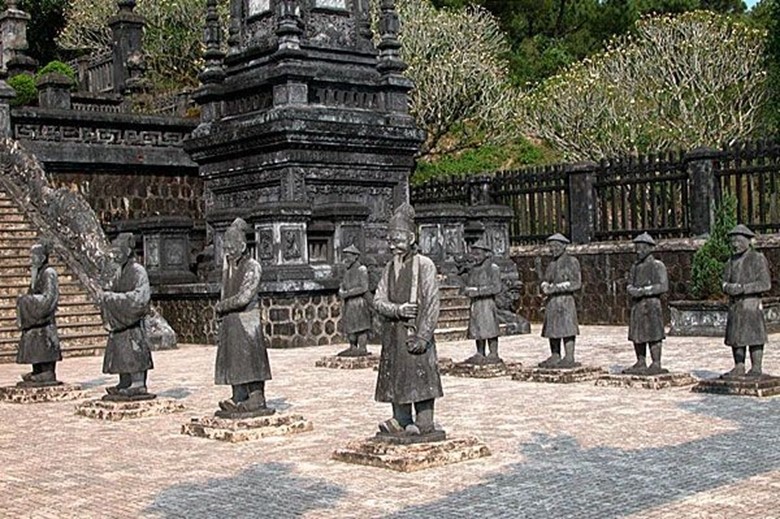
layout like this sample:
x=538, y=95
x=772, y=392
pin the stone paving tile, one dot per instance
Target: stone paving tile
x=558, y=450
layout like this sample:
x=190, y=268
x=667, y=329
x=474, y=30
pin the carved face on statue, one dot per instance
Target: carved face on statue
x=234, y=246
x=557, y=248
x=643, y=250
x=38, y=256
x=739, y=243
x=400, y=242
x=350, y=259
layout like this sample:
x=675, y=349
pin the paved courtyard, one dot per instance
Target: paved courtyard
x=576, y=451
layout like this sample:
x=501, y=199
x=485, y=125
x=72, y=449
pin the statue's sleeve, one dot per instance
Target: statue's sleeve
x=727, y=272
x=493, y=287
x=763, y=279
x=124, y=309
x=38, y=309
x=246, y=291
x=661, y=285
x=576, y=275
x=381, y=302
x=428, y=308
x=361, y=287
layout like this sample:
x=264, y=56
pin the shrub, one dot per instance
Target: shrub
x=26, y=91
x=710, y=260
x=59, y=67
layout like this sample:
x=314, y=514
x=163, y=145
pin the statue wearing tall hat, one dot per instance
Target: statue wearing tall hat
x=562, y=279
x=745, y=278
x=356, y=309
x=482, y=287
x=647, y=282
x=124, y=303
x=242, y=358
x=39, y=344
x=408, y=298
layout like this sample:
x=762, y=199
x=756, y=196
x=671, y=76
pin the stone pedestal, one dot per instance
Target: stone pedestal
x=466, y=369
x=559, y=375
x=745, y=386
x=647, y=381
x=124, y=410
x=240, y=430
x=376, y=452
x=336, y=362
x=22, y=394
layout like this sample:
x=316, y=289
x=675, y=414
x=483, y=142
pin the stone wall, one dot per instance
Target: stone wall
x=605, y=268
x=125, y=196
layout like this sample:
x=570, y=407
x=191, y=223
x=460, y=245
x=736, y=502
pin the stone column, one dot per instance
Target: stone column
x=699, y=164
x=581, y=201
x=6, y=95
x=54, y=91
x=127, y=30
x=441, y=235
x=13, y=41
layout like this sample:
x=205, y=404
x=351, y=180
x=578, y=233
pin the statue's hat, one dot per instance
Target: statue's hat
x=352, y=250
x=645, y=238
x=125, y=240
x=742, y=230
x=402, y=219
x=481, y=244
x=558, y=237
x=237, y=230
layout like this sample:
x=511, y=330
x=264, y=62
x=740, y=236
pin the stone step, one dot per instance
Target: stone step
x=6, y=233
x=23, y=260
x=456, y=312
x=23, y=279
x=16, y=225
x=13, y=290
x=9, y=332
x=64, y=316
x=451, y=334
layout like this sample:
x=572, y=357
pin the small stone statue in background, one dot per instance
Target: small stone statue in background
x=408, y=298
x=40, y=344
x=561, y=280
x=745, y=278
x=356, y=309
x=647, y=282
x=124, y=303
x=242, y=359
x=482, y=287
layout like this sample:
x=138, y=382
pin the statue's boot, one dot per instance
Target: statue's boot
x=27, y=377
x=412, y=430
x=551, y=362
x=655, y=366
x=137, y=385
x=493, y=357
x=390, y=426
x=568, y=359
x=737, y=371
x=43, y=377
x=362, y=345
x=477, y=359
x=229, y=406
x=639, y=368
x=756, y=360
x=424, y=418
x=255, y=402
x=124, y=382
x=349, y=352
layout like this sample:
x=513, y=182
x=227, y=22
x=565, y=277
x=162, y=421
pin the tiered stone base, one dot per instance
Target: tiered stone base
x=464, y=369
x=336, y=362
x=22, y=394
x=647, y=381
x=376, y=452
x=746, y=386
x=558, y=375
x=126, y=410
x=234, y=431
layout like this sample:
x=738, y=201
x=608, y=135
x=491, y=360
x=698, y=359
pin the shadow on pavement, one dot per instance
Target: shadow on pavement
x=561, y=479
x=267, y=490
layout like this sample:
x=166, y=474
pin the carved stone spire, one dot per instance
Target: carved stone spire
x=214, y=71
x=389, y=47
x=289, y=24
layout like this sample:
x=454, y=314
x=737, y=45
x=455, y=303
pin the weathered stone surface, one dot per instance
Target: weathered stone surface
x=37, y=395
x=558, y=376
x=708, y=318
x=465, y=369
x=115, y=411
x=234, y=431
x=409, y=458
x=336, y=362
x=647, y=381
x=744, y=386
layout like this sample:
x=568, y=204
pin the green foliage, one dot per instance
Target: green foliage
x=26, y=91
x=59, y=67
x=771, y=12
x=709, y=261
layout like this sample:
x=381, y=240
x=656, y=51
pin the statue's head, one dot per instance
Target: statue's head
x=123, y=248
x=350, y=255
x=557, y=243
x=481, y=251
x=739, y=238
x=401, y=230
x=643, y=245
x=39, y=254
x=234, y=243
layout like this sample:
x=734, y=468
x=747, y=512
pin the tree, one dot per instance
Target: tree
x=678, y=81
x=770, y=10
x=46, y=22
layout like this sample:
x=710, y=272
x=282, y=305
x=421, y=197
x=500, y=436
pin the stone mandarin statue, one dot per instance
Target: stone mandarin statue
x=647, y=282
x=408, y=298
x=483, y=285
x=561, y=280
x=124, y=303
x=40, y=344
x=745, y=278
x=242, y=359
x=356, y=309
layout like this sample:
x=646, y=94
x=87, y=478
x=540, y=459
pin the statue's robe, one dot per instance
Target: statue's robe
x=35, y=317
x=646, y=323
x=356, y=310
x=560, y=315
x=483, y=317
x=745, y=325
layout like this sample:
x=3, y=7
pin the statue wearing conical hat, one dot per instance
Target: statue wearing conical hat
x=356, y=310
x=647, y=282
x=408, y=298
x=562, y=279
x=482, y=287
x=745, y=278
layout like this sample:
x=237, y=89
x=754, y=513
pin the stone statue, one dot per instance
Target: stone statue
x=408, y=298
x=124, y=303
x=647, y=283
x=40, y=344
x=482, y=287
x=745, y=278
x=561, y=280
x=356, y=309
x=242, y=359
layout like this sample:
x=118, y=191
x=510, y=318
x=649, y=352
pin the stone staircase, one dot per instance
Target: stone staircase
x=78, y=319
x=453, y=314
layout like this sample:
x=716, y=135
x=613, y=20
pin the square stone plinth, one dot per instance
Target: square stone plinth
x=408, y=458
x=336, y=362
x=37, y=395
x=464, y=369
x=115, y=411
x=241, y=430
x=647, y=381
x=744, y=386
x=559, y=375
